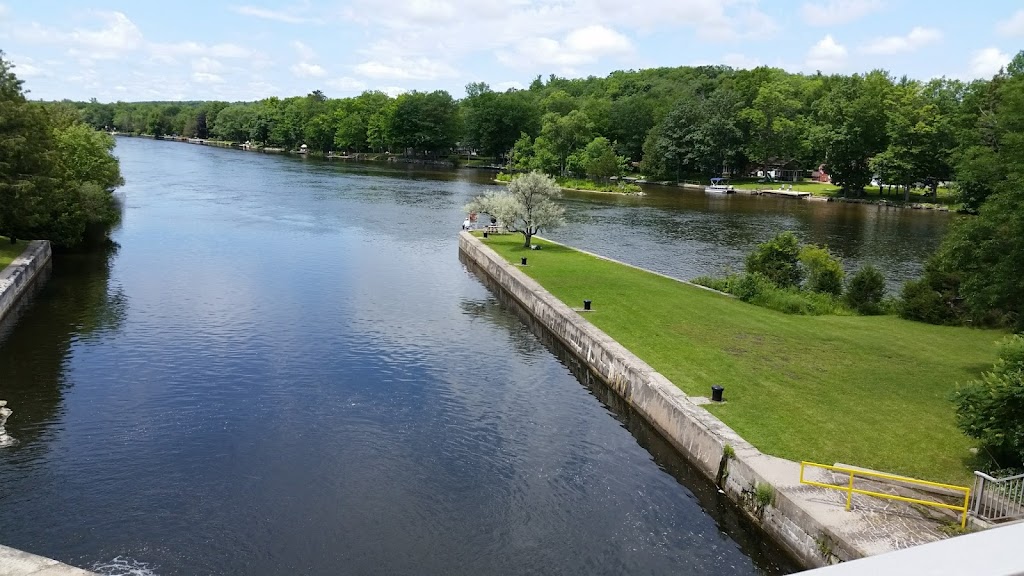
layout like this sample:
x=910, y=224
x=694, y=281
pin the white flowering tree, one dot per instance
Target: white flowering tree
x=527, y=207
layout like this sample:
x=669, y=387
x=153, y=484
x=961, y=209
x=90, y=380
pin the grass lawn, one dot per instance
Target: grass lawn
x=944, y=195
x=10, y=251
x=866, y=391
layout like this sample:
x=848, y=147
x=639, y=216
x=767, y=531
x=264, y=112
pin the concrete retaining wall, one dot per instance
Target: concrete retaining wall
x=693, y=431
x=16, y=279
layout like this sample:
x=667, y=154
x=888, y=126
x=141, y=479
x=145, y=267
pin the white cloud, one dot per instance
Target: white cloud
x=346, y=84
x=207, y=78
x=207, y=65
x=1012, y=26
x=405, y=69
x=826, y=55
x=597, y=40
x=4, y=10
x=168, y=52
x=26, y=68
x=230, y=51
x=832, y=12
x=412, y=29
x=307, y=70
x=987, y=62
x=917, y=38
x=304, y=50
x=266, y=14
x=117, y=37
x=581, y=46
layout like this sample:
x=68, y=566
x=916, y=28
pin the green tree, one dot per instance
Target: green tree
x=560, y=136
x=850, y=121
x=600, y=162
x=984, y=255
x=774, y=123
x=26, y=157
x=989, y=409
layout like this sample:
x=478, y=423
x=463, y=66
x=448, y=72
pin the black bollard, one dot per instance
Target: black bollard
x=586, y=304
x=716, y=393
x=524, y=261
x=485, y=234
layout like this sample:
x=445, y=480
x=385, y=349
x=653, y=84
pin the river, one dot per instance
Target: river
x=284, y=368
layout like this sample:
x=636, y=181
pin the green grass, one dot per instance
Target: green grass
x=917, y=195
x=867, y=391
x=9, y=252
x=817, y=188
x=584, y=184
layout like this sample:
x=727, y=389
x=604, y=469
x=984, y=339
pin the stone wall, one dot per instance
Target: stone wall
x=17, y=278
x=698, y=435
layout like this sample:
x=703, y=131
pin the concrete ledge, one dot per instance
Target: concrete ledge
x=811, y=523
x=19, y=275
x=17, y=563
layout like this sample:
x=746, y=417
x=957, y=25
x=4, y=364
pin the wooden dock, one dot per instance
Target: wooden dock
x=787, y=193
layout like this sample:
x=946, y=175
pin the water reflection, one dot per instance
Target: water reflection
x=34, y=357
x=730, y=520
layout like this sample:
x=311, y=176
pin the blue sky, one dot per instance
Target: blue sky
x=185, y=50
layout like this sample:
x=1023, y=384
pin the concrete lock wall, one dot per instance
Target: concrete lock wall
x=17, y=278
x=698, y=435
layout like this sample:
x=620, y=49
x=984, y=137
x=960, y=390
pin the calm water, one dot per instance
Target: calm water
x=284, y=369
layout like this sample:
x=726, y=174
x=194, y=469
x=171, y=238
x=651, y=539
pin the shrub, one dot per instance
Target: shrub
x=824, y=272
x=920, y=302
x=989, y=409
x=778, y=260
x=866, y=290
x=749, y=286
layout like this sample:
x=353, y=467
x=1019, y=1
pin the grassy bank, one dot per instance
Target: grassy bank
x=9, y=252
x=584, y=185
x=868, y=391
x=944, y=196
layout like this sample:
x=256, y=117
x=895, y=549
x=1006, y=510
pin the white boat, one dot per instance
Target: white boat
x=719, y=186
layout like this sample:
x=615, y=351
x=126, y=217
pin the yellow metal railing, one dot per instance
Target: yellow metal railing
x=850, y=490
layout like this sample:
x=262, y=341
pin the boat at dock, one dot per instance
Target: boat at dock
x=719, y=186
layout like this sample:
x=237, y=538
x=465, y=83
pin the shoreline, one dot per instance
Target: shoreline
x=392, y=159
x=810, y=523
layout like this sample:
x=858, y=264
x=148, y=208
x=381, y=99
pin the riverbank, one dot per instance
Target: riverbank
x=795, y=383
x=638, y=192
x=810, y=522
x=18, y=276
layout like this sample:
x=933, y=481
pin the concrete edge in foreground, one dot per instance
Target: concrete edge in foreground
x=17, y=563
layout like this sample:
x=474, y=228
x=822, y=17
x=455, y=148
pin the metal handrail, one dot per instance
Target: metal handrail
x=998, y=498
x=850, y=490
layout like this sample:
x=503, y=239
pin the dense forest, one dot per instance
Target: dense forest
x=670, y=123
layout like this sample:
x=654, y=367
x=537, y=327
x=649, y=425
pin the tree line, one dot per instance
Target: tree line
x=671, y=123
x=57, y=173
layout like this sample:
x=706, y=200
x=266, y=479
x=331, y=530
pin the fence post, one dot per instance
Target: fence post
x=849, y=492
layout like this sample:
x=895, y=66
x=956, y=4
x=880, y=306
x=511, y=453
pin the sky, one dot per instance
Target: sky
x=132, y=50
